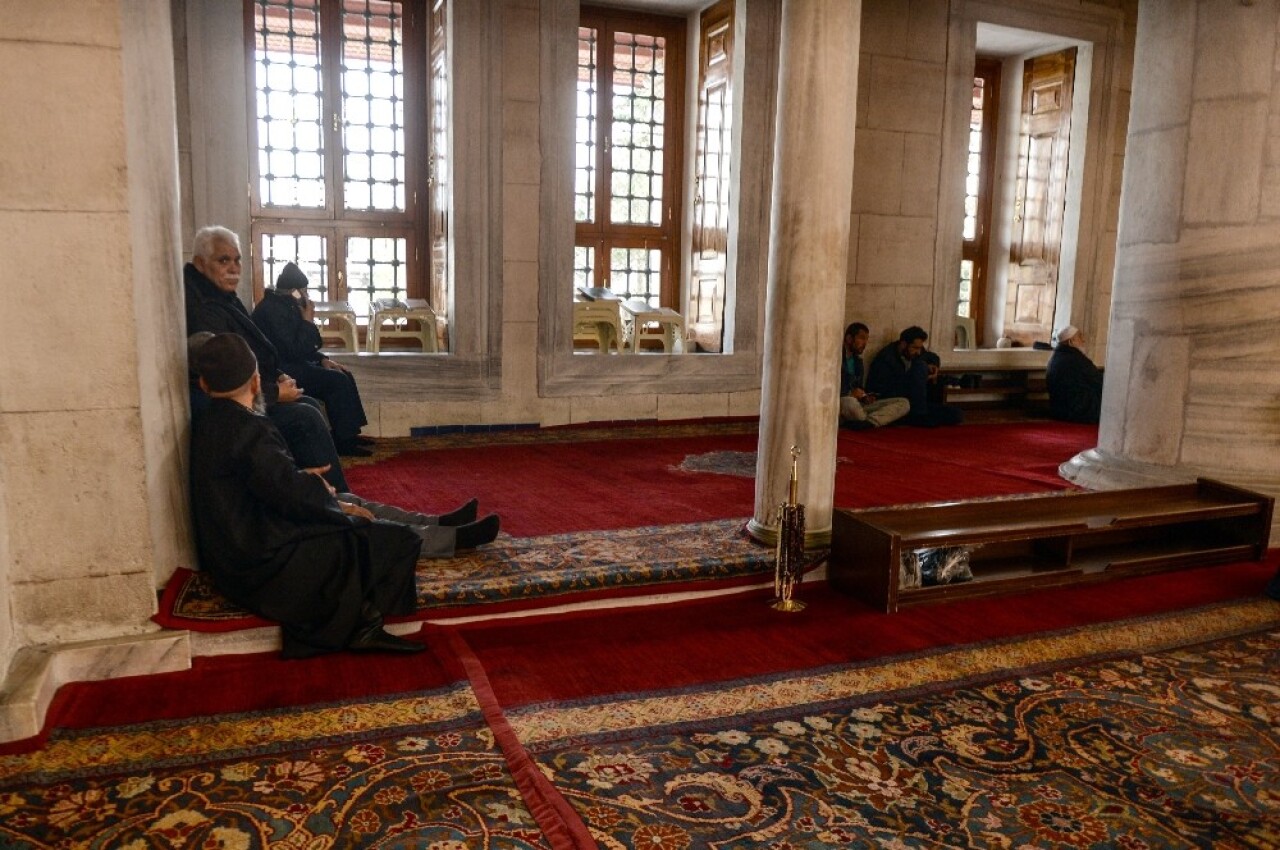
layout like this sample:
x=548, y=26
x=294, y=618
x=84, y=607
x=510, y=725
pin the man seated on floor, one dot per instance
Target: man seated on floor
x=860, y=409
x=900, y=371
x=275, y=539
x=285, y=316
x=209, y=283
x=1075, y=384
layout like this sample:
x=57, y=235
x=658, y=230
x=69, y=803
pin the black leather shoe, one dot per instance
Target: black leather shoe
x=362, y=440
x=350, y=449
x=380, y=640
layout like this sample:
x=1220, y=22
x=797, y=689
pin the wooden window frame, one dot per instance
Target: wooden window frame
x=601, y=234
x=978, y=249
x=332, y=221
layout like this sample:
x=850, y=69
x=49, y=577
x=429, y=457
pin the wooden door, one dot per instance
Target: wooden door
x=1040, y=196
x=710, y=241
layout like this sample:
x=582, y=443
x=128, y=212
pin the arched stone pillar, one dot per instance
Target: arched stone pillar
x=1193, y=361
x=808, y=253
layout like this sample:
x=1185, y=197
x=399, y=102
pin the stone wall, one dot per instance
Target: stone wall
x=1192, y=386
x=79, y=383
x=898, y=147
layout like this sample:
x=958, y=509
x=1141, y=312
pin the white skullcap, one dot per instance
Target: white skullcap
x=1067, y=333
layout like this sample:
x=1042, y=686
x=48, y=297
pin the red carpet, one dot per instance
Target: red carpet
x=556, y=487
x=597, y=653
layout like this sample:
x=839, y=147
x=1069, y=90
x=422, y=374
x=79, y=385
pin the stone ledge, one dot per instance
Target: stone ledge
x=37, y=673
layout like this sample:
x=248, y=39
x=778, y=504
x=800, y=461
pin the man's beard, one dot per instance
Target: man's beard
x=259, y=403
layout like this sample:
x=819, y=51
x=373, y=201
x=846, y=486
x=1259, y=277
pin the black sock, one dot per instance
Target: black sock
x=462, y=514
x=477, y=533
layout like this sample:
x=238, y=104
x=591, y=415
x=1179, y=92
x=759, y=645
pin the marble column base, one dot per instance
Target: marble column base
x=38, y=672
x=1096, y=469
x=768, y=534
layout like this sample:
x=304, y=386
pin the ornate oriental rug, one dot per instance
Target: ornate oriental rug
x=1162, y=731
x=1153, y=733
x=517, y=572
x=418, y=770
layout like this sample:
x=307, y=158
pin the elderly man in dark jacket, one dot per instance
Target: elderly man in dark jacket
x=1075, y=384
x=284, y=315
x=210, y=281
x=274, y=538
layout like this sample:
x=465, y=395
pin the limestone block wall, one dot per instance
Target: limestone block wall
x=77, y=552
x=897, y=150
x=909, y=159
x=1193, y=373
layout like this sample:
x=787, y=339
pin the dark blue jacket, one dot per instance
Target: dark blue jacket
x=890, y=376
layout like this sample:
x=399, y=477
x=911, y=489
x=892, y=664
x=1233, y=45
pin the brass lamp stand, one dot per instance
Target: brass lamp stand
x=789, y=568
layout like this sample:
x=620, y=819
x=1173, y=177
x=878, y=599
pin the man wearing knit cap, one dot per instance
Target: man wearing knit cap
x=285, y=316
x=1075, y=384
x=275, y=539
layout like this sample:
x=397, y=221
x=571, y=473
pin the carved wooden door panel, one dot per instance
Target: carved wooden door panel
x=1040, y=196
x=704, y=312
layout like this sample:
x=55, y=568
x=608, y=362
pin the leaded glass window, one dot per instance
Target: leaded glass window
x=347, y=120
x=626, y=149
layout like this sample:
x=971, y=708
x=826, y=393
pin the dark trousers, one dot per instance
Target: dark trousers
x=362, y=572
x=338, y=391
x=305, y=430
x=934, y=415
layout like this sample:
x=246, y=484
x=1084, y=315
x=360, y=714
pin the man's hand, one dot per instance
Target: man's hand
x=308, y=309
x=868, y=398
x=318, y=472
x=858, y=393
x=355, y=510
x=289, y=390
x=337, y=367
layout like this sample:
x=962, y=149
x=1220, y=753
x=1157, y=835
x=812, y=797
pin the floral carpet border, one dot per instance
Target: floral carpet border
x=544, y=725
x=527, y=570
x=231, y=736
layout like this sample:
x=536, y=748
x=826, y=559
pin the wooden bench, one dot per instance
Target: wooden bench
x=1037, y=541
x=990, y=388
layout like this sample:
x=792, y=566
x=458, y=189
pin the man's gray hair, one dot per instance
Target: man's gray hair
x=206, y=236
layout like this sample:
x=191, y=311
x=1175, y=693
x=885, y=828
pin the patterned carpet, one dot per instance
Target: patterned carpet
x=1152, y=745
x=519, y=571
x=1148, y=733
x=415, y=771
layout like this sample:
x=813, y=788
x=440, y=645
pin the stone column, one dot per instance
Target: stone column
x=808, y=254
x=1193, y=362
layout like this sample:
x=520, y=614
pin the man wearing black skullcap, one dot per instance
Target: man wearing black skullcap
x=275, y=539
x=285, y=316
x=210, y=282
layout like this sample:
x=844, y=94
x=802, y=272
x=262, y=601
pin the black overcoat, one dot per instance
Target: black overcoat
x=279, y=317
x=276, y=542
x=211, y=309
x=1075, y=386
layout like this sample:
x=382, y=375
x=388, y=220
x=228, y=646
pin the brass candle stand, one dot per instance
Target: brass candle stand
x=789, y=567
